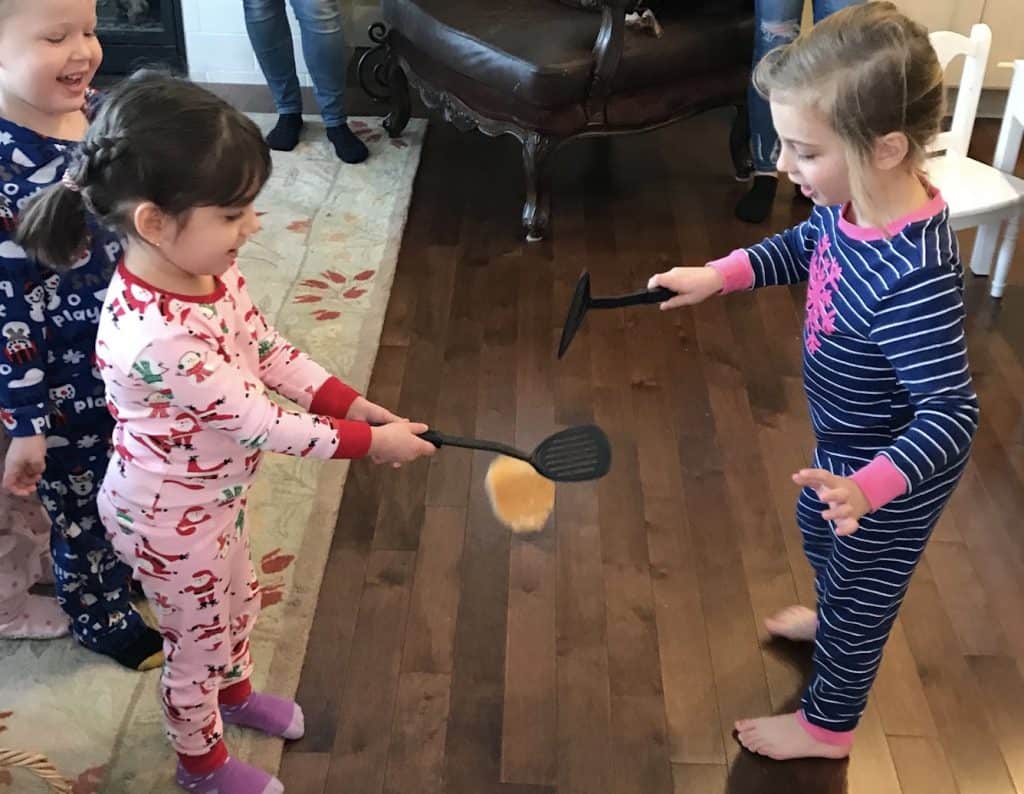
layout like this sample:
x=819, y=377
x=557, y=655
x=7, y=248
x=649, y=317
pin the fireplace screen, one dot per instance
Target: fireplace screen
x=140, y=33
x=128, y=15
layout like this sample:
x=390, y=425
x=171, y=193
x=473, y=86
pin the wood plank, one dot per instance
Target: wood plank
x=530, y=717
x=871, y=766
x=416, y=759
x=360, y=751
x=306, y=772
x=694, y=730
x=360, y=501
x=584, y=708
x=634, y=667
x=434, y=603
x=699, y=779
x=952, y=693
x=987, y=533
x=400, y=518
x=449, y=478
x=898, y=691
x=327, y=665
x=922, y=765
x=1002, y=684
x=964, y=598
x=641, y=762
x=473, y=744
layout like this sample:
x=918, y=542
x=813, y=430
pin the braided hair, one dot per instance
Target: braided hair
x=156, y=138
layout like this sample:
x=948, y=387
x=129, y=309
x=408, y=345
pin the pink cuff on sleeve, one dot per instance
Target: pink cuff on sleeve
x=736, y=270
x=333, y=398
x=353, y=439
x=880, y=481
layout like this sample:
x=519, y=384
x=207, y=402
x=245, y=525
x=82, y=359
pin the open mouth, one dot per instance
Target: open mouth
x=73, y=81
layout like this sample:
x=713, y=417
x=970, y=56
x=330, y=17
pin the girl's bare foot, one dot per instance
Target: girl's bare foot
x=783, y=738
x=794, y=623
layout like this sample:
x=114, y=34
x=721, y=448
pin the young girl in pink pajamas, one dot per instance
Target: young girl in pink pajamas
x=188, y=359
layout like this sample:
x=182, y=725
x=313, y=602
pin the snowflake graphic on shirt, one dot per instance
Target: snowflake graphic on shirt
x=822, y=283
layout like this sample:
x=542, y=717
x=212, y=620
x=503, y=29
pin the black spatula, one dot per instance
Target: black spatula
x=582, y=302
x=573, y=455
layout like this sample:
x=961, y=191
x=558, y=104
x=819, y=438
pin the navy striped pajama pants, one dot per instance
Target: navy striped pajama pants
x=861, y=580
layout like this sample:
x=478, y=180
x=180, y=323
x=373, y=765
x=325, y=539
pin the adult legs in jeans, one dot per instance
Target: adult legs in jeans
x=778, y=23
x=323, y=45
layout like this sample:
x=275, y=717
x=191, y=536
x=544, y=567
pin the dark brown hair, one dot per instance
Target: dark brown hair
x=157, y=138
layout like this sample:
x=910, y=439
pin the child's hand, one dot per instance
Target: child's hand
x=692, y=285
x=25, y=464
x=846, y=501
x=399, y=443
x=362, y=410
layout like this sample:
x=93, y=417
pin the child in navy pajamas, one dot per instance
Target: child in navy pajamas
x=51, y=394
x=856, y=102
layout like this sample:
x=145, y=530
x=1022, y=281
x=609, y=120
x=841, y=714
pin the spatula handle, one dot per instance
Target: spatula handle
x=441, y=440
x=647, y=296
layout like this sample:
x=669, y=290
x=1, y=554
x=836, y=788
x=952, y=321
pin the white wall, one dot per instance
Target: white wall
x=219, y=50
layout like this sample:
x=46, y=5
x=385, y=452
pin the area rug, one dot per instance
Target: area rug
x=321, y=269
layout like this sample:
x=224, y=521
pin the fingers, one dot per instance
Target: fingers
x=656, y=280
x=683, y=299
x=847, y=527
x=815, y=478
x=837, y=512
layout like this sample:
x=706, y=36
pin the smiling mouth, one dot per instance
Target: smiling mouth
x=76, y=80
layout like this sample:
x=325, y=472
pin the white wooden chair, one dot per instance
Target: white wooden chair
x=986, y=196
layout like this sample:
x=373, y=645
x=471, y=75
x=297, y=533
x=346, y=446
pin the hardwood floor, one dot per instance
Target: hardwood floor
x=612, y=652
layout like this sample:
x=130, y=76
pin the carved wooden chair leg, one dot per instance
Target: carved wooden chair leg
x=399, y=101
x=536, y=211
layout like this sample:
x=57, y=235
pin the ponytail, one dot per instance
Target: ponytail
x=51, y=227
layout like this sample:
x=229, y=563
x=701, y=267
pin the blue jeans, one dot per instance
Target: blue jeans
x=778, y=23
x=323, y=45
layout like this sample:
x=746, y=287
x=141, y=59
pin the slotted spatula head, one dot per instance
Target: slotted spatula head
x=574, y=455
x=577, y=310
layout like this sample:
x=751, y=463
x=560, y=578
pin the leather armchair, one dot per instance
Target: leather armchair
x=548, y=73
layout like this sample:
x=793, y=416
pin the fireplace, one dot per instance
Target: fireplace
x=140, y=33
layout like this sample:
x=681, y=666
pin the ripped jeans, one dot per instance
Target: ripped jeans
x=778, y=23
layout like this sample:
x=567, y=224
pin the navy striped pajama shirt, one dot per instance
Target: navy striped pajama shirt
x=892, y=406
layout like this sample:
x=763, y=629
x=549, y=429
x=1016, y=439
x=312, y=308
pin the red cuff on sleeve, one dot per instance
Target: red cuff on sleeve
x=736, y=270
x=880, y=481
x=333, y=398
x=353, y=439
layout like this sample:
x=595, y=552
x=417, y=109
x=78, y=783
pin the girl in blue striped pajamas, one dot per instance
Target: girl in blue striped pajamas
x=855, y=103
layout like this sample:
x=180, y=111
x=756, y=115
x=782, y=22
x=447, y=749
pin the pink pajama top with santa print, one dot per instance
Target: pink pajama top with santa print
x=187, y=380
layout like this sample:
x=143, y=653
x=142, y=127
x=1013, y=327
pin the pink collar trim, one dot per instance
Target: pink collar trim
x=929, y=209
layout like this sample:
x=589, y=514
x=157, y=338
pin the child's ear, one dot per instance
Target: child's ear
x=151, y=224
x=891, y=150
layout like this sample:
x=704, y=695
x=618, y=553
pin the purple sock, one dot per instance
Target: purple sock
x=273, y=715
x=233, y=777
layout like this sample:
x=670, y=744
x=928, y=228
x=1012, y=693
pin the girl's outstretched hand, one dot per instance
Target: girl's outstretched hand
x=691, y=285
x=846, y=501
x=399, y=443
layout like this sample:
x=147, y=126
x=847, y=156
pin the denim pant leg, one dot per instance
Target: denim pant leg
x=778, y=23
x=323, y=45
x=271, y=38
